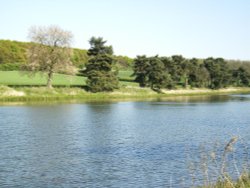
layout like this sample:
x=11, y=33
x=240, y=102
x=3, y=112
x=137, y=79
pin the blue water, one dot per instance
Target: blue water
x=119, y=144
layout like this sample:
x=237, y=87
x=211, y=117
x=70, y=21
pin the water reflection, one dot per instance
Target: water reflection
x=182, y=99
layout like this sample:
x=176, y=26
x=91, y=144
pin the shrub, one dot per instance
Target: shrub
x=10, y=66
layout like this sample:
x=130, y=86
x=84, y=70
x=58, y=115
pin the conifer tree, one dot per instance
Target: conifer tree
x=99, y=67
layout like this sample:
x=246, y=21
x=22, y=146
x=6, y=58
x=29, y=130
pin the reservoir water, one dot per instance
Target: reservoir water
x=120, y=144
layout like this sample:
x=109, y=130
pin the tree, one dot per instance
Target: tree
x=50, y=51
x=157, y=76
x=151, y=72
x=198, y=75
x=141, y=68
x=218, y=71
x=186, y=70
x=99, y=67
x=176, y=69
x=241, y=77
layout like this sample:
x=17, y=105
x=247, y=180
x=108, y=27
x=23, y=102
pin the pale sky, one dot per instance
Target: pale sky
x=192, y=28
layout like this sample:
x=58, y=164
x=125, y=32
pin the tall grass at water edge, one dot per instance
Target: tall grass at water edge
x=221, y=165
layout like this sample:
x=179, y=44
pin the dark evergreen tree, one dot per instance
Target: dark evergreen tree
x=151, y=72
x=141, y=70
x=158, y=78
x=186, y=69
x=241, y=77
x=169, y=68
x=198, y=75
x=219, y=72
x=99, y=67
x=176, y=68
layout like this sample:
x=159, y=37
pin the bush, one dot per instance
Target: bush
x=102, y=81
x=10, y=66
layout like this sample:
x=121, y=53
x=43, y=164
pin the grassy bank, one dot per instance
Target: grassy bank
x=17, y=86
x=77, y=93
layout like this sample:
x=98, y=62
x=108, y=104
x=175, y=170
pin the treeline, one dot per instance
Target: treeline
x=177, y=71
x=154, y=72
x=13, y=54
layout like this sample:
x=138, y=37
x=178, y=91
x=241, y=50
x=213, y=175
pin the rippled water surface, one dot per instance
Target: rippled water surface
x=116, y=144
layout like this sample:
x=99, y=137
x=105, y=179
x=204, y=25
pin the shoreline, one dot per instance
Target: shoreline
x=43, y=94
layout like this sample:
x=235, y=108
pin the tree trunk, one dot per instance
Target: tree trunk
x=49, y=81
x=186, y=82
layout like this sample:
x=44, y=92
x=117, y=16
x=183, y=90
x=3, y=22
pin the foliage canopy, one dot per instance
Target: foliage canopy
x=99, y=67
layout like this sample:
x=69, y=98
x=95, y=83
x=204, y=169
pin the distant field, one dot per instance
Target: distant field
x=126, y=75
x=126, y=79
x=16, y=78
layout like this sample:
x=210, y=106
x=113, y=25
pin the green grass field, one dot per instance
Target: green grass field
x=16, y=78
x=16, y=86
x=126, y=79
x=125, y=75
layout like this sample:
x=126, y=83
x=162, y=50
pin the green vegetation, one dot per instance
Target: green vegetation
x=13, y=54
x=176, y=71
x=99, y=67
x=99, y=70
x=126, y=75
x=16, y=78
x=50, y=52
x=10, y=66
x=242, y=182
x=151, y=72
x=79, y=58
x=17, y=86
x=70, y=93
x=179, y=72
x=19, y=78
x=123, y=62
x=41, y=93
x=221, y=160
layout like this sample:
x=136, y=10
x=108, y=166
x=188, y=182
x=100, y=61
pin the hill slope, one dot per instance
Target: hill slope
x=13, y=53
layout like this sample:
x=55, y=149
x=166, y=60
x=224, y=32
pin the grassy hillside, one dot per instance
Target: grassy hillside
x=14, y=53
x=125, y=75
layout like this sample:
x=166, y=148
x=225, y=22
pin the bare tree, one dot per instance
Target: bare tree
x=50, y=51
